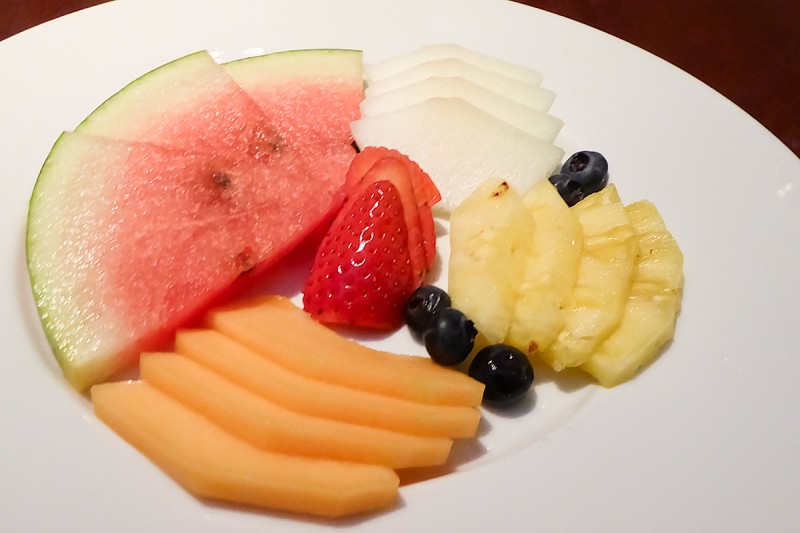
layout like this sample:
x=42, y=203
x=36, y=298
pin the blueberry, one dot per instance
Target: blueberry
x=589, y=169
x=451, y=337
x=423, y=307
x=506, y=372
x=568, y=188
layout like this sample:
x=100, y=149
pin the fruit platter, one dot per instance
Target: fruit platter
x=444, y=276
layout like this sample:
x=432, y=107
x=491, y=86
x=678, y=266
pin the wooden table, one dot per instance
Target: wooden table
x=745, y=49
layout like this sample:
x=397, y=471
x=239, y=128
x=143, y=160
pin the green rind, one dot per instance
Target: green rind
x=316, y=63
x=140, y=85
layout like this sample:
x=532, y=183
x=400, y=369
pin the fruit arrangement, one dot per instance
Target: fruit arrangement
x=180, y=191
x=269, y=417
x=561, y=272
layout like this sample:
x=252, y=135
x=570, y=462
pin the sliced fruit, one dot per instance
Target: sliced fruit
x=274, y=327
x=648, y=321
x=606, y=269
x=395, y=172
x=190, y=103
x=363, y=272
x=425, y=192
x=530, y=117
x=424, y=188
x=275, y=428
x=460, y=147
x=128, y=240
x=549, y=272
x=324, y=87
x=489, y=234
x=211, y=463
x=397, y=64
x=256, y=371
x=515, y=90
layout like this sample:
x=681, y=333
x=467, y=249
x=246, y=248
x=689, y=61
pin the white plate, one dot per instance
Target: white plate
x=707, y=439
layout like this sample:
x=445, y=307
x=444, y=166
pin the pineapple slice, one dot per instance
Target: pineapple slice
x=605, y=275
x=652, y=307
x=489, y=232
x=551, y=267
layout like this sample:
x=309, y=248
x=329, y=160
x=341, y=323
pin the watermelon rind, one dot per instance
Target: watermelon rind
x=187, y=121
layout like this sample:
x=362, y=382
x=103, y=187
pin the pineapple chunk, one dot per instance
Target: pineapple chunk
x=606, y=269
x=652, y=307
x=489, y=232
x=550, y=270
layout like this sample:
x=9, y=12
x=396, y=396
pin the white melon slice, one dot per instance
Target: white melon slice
x=518, y=91
x=395, y=65
x=530, y=119
x=460, y=147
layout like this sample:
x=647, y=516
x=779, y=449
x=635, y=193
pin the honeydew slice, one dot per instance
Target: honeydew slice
x=518, y=91
x=271, y=427
x=460, y=147
x=276, y=328
x=209, y=462
x=257, y=373
x=551, y=267
x=606, y=270
x=530, y=118
x=654, y=302
x=397, y=64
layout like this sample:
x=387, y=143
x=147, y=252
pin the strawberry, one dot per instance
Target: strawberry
x=424, y=191
x=390, y=169
x=362, y=273
x=424, y=188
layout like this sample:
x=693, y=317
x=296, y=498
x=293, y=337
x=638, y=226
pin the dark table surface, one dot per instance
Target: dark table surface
x=745, y=49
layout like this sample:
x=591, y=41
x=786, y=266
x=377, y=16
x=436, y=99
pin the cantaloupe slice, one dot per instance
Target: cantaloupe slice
x=210, y=462
x=259, y=374
x=271, y=427
x=281, y=331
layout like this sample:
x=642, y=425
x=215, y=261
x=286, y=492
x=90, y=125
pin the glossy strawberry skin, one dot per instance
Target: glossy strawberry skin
x=362, y=273
x=424, y=191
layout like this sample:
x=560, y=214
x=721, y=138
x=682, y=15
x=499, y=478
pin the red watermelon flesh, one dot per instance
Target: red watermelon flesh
x=302, y=83
x=141, y=238
x=128, y=240
x=190, y=103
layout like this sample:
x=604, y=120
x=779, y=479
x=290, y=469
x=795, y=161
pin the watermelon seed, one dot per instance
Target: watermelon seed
x=221, y=179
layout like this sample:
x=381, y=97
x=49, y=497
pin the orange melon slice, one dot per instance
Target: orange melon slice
x=210, y=462
x=276, y=328
x=271, y=427
x=256, y=372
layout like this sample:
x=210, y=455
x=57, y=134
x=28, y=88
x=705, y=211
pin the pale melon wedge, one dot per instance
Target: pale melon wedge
x=512, y=89
x=397, y=64
x=531, y=118
x=276, y=328
x=460, y=147
x=605, y=273
x=652, y=307
x=275, y=428
x=489, y=234
x=211, y=463
x=258, y=373
x=549, y=272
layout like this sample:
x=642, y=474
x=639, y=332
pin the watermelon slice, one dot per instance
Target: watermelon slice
x=331, y=80
x=127, y=240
